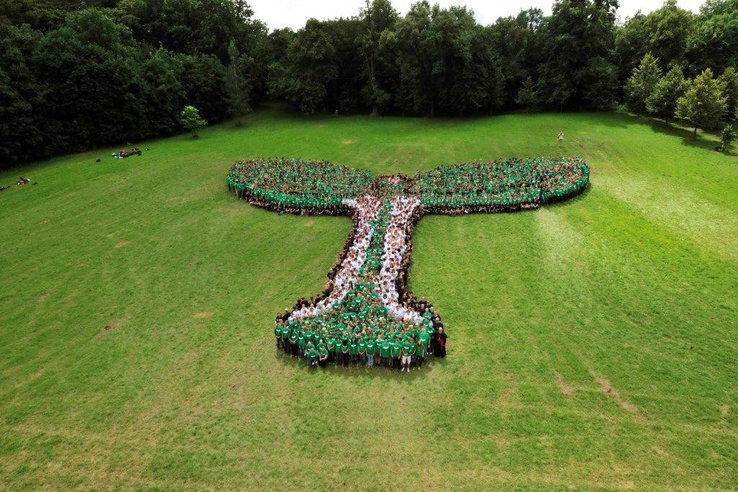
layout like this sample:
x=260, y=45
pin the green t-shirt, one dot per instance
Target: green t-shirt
x=362, y=347
x=370, y=347
x=396, y=349
x=331, y=344
x=385, y=349
x=345, y=349
x=353, y=348
x=323, y=351
x=312, y=353
x=409, y=347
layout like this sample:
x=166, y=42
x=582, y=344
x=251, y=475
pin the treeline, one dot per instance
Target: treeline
x=74, y=75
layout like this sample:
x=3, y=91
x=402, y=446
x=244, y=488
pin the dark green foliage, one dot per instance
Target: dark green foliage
x=713, y=41
x=728, y=81
x=642, y=83
x=727, y=136
x=577, y=71
x=663, y=98
x=702, y=105
x=20, y=105
x=309, y=65
x=88, y=70
x=75, y=75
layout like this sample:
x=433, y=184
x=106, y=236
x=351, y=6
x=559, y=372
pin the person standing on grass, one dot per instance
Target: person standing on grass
x=369, y=348
x=311, y=354
x=331, y=346
x=345, y=356
x=407, y=349
x=395, y=352
x=385, y=351
x=561, y=138
x=322, y=355
x=362, y=349
x=354, y=351
x=441, y=343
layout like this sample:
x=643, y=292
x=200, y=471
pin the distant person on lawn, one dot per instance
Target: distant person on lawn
x=561, y=138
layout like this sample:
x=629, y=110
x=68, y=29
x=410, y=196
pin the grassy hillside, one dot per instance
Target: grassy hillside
x=592, y=343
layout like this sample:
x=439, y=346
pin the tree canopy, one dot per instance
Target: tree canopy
x=75, y=75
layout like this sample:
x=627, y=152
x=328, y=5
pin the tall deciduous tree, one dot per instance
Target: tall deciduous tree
x=89, y=70
x=378, y=18
x=729, y=85
x=714, y=37
x=237, y=83
x=663, y=98
x=642, y=83
x=703, y=104
x=308, y=69
x=579, y=38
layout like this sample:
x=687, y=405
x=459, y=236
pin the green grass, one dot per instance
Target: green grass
x=592, y=344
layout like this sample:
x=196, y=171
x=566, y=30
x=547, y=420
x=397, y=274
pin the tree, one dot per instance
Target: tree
x=663, y=98
x=237, y=84
x=416, y=53
x=528, y=95
x=191, y=120
x=309, y=67
x=377, y=19
x=578, y=41
x=89, y=71
x=729, y=85
x=702, y=105
x=642, y=83
x=727, y=136
x=21, y=108
x=713, y=39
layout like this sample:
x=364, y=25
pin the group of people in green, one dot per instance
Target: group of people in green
x=499, y=186
x=365, y=316
x=395, y=347
x=320, y=187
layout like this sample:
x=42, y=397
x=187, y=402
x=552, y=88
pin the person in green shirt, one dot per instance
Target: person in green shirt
x=322, y=355
x=301, y=344
x=345, y=356
x=331, y=346
x=396, y=350
x=294, y=348
x=278, y=335
x=354, y=351
x=311, y=354
x=369, y=352
x=385, y=351
x=362, y=349
x=408, y=349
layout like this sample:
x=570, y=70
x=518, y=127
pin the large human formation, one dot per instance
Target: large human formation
x=366, y=315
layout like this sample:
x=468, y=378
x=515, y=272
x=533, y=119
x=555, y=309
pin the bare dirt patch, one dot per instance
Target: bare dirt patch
x=310, y=223
x=566, y=389
x=203, y=315
x=724, y=410
x=121, y=244
x=610, y=391
x=114, y=325
x=347, y=142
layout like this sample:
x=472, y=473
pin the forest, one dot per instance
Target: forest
x=87, y=73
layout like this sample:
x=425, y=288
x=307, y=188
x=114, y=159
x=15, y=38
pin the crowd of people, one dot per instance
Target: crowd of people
x=366, y=315
x=499, y=186
x=297, y=185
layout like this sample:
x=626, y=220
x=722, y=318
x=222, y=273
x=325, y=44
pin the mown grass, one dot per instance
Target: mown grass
x=592, y=343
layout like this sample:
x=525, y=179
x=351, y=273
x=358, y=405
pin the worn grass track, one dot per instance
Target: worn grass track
x=592, y=344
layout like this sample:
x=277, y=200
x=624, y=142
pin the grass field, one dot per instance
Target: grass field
x=592, y=344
